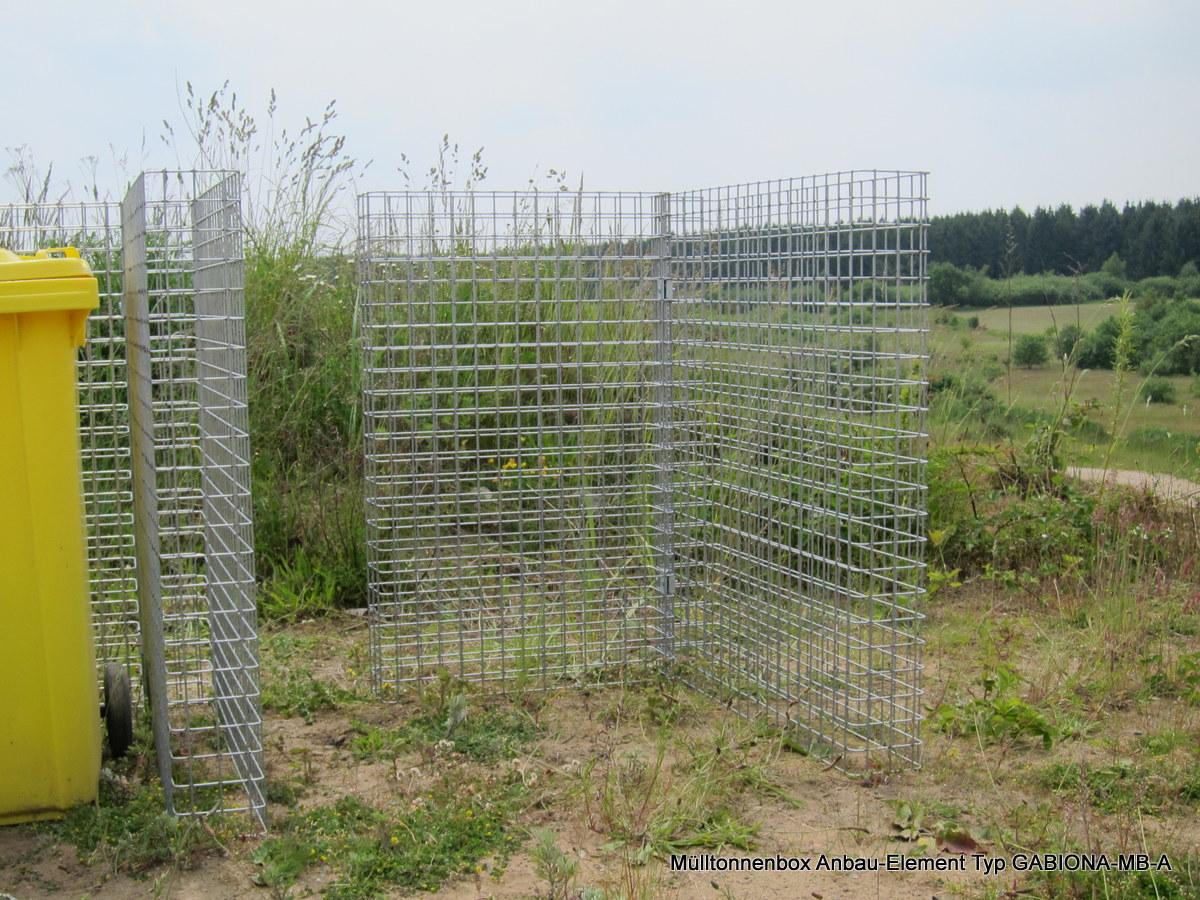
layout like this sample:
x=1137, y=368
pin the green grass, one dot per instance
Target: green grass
x=303, y=366
x=450, y=830
x=1037, y=319
x=1176, y=676
x=1161, y=743
x=299, y=588
x=127, y=830
x=1180, y=884
x=289, y=686
x=297, y=692
x=1126, y=785
x=485, y=735
x=685, y=796
x=995, y=711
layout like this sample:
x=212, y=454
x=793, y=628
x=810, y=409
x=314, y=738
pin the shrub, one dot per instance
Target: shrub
x=1030, y=351
x=1098, y=349
x=1068, y=342
x=949, y=285
x=1115, y=267
x=1167, y=335
x=1159, y=287
x=945, y=317
x=1189, y=280
x=1157, y=390
x=997, y=713
x=944, y=381
x=984, y=516
x=1043, y=290
x=1045, y=535
x=973, y=322
x=1103, y=285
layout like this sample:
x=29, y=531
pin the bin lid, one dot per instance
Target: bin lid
x=53, y=262
x=52, y=280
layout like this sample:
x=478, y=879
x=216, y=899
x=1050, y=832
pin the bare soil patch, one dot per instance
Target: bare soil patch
x=1169, y=487
x=994, y=790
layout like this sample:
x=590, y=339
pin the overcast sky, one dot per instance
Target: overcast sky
x=1004, y=103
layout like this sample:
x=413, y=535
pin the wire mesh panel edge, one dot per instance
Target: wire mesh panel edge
x=225, y=480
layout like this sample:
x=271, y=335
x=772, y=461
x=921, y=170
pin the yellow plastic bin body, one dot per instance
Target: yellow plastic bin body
x=49, y=703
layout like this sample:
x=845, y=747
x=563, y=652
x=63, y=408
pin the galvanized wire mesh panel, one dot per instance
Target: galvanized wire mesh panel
x=94, y=228
x=509, y=367
x=186, y=345
x=798, y=341
x=225, y=478
x=192, y=557
x=605, y=430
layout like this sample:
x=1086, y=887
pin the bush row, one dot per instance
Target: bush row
x=950, y=285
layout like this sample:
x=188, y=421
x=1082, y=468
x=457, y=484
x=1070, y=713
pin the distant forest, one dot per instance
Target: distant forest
x=1151, y=238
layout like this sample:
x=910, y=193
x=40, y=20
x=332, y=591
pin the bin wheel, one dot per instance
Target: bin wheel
x=118, y=710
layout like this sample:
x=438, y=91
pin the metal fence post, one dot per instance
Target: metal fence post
x=664, y=512
x=145, y=474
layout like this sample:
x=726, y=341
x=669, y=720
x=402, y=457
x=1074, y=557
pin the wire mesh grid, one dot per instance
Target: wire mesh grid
x=183, y=306
x=509, y=365
x=95, y=229
x=798, y=343
x=609, y=430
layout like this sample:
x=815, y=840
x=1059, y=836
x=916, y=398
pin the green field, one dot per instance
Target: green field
x=1159, y=437
x=1041, y=318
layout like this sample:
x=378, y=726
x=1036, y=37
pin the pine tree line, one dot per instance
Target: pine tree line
x=1151, y=238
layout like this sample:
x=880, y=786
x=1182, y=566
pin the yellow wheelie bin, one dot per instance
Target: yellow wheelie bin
x=49, y=706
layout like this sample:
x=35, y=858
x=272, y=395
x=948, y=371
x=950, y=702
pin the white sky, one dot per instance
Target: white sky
x=1004, y=103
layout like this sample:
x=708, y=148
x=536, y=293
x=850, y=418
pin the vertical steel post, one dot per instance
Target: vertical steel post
x=145, y=474
x=664, y=512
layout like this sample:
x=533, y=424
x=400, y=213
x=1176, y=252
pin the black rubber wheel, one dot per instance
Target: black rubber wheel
x=118, y=710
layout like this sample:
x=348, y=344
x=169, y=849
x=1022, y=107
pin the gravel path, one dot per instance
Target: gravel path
x=1167, y=486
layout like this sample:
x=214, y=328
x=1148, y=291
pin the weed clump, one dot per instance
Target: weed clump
x=998, y=713
x=128, y=831
x=486, y=736
x=297, y=692
x=451, y=831
x=1127, y=785
x=651, y=808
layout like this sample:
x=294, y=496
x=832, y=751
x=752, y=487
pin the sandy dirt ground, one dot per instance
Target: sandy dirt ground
x=836, y=814
x=837, y=817
x=1169, y=487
